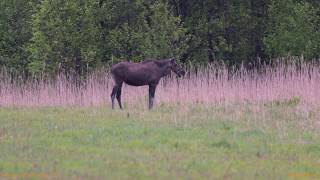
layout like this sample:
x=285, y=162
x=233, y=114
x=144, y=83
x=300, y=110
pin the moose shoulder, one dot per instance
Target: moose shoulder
x=148, y=72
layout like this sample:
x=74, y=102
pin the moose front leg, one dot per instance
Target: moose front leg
x=152, y=90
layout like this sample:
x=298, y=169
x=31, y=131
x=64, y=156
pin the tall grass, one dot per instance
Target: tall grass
x=210, y=85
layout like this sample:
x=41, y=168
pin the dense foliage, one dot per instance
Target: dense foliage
x=81, y=35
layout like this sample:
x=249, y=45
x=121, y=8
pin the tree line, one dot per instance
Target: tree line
x=81, y=35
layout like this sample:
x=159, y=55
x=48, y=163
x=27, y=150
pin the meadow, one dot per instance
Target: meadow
x=258, y=124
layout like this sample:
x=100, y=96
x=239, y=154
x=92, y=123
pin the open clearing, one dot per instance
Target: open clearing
x=270, y=141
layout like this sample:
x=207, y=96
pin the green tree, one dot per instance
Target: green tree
x=228, y=30
x=15, y=32
x=145, y=30
x=293, y=29
x=64, y=36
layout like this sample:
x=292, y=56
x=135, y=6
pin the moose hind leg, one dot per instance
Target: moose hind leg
x=113, y=95
x=119, y=95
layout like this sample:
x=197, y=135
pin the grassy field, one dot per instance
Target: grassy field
x=270, y=141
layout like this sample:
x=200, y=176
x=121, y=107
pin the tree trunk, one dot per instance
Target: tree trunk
x=77, y=74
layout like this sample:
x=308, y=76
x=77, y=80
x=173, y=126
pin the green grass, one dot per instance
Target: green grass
x=190, y=142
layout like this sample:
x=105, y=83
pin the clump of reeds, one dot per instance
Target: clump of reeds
x=209, y=85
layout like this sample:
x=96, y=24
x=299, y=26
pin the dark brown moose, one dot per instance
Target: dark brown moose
x=148, y=72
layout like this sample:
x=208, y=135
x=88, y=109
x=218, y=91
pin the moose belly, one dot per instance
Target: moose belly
x=137, y=81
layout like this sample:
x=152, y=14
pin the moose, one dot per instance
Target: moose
x=147, y=72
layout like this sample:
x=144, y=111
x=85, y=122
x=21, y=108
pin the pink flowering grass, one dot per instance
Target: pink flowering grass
x=209, y=86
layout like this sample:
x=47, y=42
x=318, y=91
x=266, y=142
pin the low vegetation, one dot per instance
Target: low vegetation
x=273, y=141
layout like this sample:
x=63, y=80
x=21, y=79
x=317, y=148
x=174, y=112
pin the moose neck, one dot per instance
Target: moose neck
x=164, y=67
